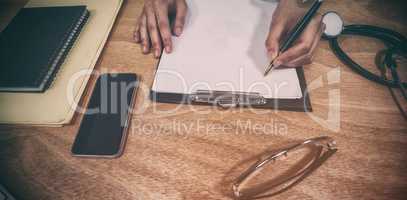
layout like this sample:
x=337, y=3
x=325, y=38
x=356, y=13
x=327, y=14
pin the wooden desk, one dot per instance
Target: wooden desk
x=189, y=156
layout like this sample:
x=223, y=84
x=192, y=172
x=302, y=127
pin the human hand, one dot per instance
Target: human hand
x=153, y=29
x=286, y=16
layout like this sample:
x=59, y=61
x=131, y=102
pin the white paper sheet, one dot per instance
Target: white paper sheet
x=223, y=48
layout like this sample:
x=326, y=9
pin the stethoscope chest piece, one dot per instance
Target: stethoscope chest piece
x=334, y=24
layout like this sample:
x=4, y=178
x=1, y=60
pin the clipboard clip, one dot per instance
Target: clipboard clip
x=225, y=99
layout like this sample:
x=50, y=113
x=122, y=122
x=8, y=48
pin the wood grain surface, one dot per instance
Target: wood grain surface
x=193, y=152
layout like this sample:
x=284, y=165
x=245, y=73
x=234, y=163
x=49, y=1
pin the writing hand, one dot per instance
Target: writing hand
x=286, y=16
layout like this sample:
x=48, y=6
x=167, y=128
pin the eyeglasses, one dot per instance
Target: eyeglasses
x=305, y=157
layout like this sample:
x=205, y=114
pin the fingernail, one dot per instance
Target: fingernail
x=274, y=54
x=277, y=63
x=178, y=31
x=157, y=53
x=168, y=49
x=145, y=49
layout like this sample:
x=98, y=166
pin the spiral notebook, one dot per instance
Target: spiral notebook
x=57, y=105
x=34, y=45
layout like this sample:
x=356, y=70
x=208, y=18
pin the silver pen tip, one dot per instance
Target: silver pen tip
x=268, y=69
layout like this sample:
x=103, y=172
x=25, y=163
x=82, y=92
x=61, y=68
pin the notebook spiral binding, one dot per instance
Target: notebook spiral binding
x=4, y=194
x=51, y=76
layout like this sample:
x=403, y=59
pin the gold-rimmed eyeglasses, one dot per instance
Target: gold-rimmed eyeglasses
x=296, y=162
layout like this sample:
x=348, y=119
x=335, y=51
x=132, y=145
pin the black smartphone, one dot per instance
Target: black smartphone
x=104, y=127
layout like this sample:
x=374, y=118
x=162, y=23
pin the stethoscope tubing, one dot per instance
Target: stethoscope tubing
x=395, y=42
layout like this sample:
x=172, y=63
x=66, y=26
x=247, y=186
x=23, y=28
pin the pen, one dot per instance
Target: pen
x=296, y=32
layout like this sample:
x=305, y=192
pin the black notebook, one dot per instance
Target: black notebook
x=34, y=45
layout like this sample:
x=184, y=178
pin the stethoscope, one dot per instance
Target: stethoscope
x=396, y=48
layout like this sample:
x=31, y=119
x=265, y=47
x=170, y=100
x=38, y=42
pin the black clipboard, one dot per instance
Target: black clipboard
x=215, y=98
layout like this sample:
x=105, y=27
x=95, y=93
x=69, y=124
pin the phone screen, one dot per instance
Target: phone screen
x=103, y=130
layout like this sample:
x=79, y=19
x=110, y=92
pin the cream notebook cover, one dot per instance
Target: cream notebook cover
x=223, y=48
x=53, y=107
